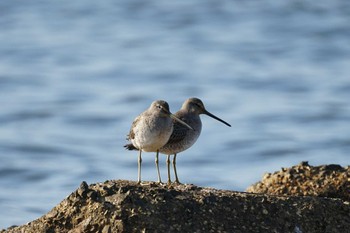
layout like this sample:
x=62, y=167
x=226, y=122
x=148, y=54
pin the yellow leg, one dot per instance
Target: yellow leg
x=139, y=167
x=157, y=166
x=174, y=166
x=168, y=166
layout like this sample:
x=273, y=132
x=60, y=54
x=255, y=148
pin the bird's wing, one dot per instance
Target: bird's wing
x=179, y=132
x=131, y=134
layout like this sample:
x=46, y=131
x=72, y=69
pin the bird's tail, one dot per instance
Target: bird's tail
x=130, y=147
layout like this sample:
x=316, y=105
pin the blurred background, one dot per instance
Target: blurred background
x=75, y=74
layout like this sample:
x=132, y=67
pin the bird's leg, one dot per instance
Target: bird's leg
x=139, y=167
x=157, y=166
x=168, y=166
x=174, y=166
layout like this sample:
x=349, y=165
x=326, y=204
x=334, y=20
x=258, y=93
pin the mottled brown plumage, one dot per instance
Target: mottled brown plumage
x=151, y=130
x=181, y=138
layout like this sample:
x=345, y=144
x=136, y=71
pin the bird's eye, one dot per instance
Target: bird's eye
x=158, y=106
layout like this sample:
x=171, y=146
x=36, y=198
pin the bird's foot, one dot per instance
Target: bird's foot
x=177, y=182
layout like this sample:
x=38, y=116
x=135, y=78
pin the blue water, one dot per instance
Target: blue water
x=74, y=75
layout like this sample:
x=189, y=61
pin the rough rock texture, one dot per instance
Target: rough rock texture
x=305, y=180
x=125, y=206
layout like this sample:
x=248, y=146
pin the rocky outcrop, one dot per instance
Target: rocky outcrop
x=125, y=206
x=306, y=180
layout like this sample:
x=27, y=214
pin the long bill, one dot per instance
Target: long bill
x=216, y=118
x=180, y=121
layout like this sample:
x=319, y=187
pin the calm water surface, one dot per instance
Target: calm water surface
x=74, y=75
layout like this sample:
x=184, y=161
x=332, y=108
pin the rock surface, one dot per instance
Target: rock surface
x=125, y=206
x=305, y=180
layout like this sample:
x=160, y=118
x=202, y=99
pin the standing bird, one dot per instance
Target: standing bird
x=181, y=138
x=151, y=130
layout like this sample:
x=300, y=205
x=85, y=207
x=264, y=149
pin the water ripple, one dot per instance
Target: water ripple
x=75, y=74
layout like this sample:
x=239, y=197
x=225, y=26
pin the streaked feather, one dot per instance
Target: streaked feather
x=130, y=147
x=178, y=134
x=131, y=134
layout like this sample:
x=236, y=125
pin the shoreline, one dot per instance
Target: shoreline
x=125, y=206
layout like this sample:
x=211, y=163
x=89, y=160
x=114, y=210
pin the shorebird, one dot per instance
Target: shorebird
x=181, y=138
x=151, y=130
